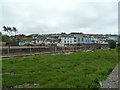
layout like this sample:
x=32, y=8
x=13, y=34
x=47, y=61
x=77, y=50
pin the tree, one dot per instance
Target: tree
x=9, y=30
x=29, y=39
x=15, y=31
x=6, y=39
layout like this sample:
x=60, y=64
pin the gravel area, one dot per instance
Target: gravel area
x=112, y=80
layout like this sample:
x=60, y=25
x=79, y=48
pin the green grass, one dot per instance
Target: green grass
x=77, y=70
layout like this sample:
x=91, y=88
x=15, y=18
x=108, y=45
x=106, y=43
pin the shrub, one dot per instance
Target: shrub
x=112, y=44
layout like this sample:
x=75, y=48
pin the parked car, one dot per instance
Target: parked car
x=31, y=44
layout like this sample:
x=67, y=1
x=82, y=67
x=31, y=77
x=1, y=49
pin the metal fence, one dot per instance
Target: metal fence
x=8, y=51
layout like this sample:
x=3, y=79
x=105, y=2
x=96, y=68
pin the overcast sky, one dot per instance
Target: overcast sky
x=56, y=16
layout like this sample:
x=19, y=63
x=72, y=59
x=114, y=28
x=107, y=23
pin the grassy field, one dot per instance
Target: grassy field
x=77, y=70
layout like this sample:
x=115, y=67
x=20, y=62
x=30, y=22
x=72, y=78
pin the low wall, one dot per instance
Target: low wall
x=13, y=50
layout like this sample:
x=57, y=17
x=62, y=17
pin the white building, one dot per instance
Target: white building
x=68, y=39
x=113, y=37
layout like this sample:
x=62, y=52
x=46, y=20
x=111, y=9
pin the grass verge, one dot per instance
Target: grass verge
x=76, y=70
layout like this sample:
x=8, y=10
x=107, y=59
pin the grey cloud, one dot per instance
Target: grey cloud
x=53, y=16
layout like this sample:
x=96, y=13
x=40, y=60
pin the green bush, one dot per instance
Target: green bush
x=112, y=44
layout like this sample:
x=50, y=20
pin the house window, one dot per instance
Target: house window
x=64, y=41
x=88, y=40
x=82, y=39
x=78, y=39
x=74, y=37
x=70, y=41
x=74, y=40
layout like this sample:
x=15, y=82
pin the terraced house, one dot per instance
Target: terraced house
x=74, y=38
x=64, y=39
x=80, y=38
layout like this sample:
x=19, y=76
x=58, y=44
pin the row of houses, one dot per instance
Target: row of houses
x=62, y=39
x=73, y=39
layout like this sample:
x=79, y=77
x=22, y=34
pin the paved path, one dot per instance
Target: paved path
x=112, y=80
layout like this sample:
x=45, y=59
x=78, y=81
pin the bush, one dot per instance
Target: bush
x=112, y=44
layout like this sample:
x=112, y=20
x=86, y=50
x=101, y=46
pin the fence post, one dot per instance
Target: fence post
x=8, y=50
x=55, y=49
x=30, y=51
